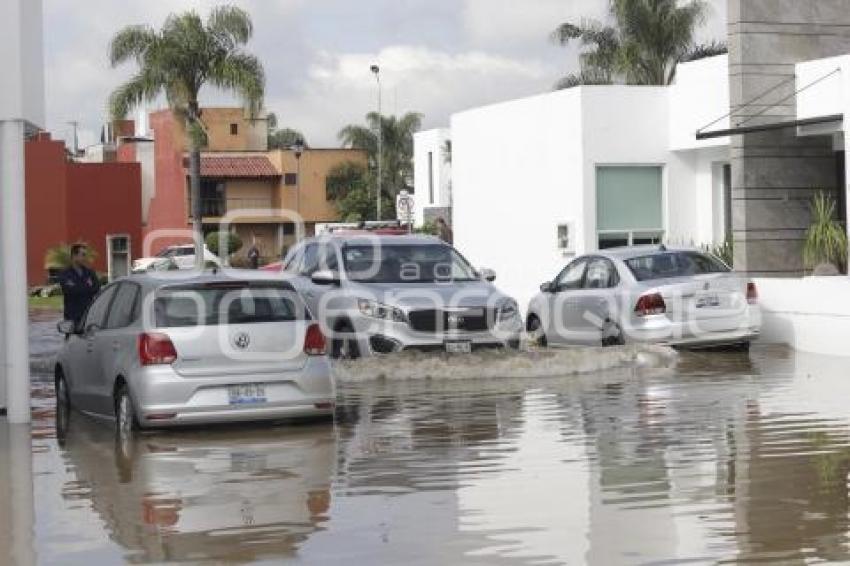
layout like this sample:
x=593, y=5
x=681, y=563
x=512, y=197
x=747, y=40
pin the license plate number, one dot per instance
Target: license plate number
x=458, y=347
x=246, y=394
x=708, y=301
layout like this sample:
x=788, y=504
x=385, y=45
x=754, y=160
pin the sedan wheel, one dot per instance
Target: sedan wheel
x=125, y=416
x=612, y=336
x=63, y=398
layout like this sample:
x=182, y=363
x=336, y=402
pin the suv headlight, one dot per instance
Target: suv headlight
x=508, y=311
x=381, y=311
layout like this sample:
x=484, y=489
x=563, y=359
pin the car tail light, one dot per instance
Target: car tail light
x=752, y=293
x=650, y=304
x=314, y=342
x=156, y=348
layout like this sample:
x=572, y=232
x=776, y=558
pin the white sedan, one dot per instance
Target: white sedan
x=183, y=257
x=678, y=297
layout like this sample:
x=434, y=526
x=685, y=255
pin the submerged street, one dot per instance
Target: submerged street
x=726, y=457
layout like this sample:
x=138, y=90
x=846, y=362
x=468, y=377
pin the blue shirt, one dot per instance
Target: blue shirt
x=78, y=289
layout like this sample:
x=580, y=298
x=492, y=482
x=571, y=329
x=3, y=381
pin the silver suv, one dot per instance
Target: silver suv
x=378, y=294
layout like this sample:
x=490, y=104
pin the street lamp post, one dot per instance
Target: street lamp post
x=298, y=150
x=377, y=72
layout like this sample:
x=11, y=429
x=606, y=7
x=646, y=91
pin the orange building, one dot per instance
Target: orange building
x=245, y=187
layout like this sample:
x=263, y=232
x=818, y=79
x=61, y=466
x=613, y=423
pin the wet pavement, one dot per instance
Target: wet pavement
x=726, y=457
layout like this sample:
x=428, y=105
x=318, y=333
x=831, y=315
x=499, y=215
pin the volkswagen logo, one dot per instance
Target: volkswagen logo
x=241, y=340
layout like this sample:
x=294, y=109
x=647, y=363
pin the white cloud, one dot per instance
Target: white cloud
x=500, y=22
x=340, y=89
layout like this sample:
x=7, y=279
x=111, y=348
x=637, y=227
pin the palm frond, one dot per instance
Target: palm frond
x=230, y=25
x=241, y=73
x=130, y=43
x=142, y=87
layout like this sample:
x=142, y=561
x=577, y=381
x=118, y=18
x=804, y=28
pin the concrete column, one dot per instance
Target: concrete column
x=14, y=325
x=775, y=174
x=17, y=515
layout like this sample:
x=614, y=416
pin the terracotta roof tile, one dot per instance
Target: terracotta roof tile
x=237, y=166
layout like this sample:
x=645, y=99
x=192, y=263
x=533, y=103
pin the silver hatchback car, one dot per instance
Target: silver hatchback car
x=173, y=349
x=378, y=294
x=679, y=297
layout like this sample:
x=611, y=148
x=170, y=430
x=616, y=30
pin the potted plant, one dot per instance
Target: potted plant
x=825, y=247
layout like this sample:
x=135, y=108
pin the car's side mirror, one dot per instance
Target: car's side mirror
x=488, y=275
x=325, y=277
x=66, y=327
x=91, y=329
x=547, y=287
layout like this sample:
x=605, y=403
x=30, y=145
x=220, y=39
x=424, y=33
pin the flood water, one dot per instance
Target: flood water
x=726, y=458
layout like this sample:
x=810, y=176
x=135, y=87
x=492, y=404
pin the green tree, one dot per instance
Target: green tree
x=186, y=54
x=348, y=184
x=224, y=243
x=282, y=138
x=286, y=138
x=642, y=45
x=397, y=154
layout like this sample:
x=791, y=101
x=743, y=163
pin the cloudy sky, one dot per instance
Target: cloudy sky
x=436, y=56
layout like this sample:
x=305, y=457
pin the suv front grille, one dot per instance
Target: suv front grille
x=476, y=319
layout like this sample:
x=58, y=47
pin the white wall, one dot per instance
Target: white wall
x=825, y=95
x=22, y=62
x=517, y=172
x=699, y=96
x=431, y=142
x=522, y=167
x=623, y=125
x=810, y=314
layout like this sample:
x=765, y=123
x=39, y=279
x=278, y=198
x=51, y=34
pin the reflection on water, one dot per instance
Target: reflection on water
x=724, y=458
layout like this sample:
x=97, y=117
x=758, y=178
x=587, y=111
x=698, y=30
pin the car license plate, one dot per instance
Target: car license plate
x=708, y=301
x=459, y=347
x=246, y=394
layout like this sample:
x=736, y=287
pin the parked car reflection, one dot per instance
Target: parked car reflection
x=228, y=495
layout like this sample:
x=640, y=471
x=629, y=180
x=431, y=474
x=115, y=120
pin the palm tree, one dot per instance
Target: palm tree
x=642, y=47
x=178, y=60
x=397, y=154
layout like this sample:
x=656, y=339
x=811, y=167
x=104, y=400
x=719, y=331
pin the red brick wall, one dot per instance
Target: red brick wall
x=104, y=199
x=45, y=178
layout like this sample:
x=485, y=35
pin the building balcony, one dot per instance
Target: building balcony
x=217, y=207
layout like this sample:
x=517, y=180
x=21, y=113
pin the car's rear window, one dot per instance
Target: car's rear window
x=674, y=264
x=230, y=303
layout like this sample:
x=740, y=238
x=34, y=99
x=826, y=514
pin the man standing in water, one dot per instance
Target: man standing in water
x=79, y=284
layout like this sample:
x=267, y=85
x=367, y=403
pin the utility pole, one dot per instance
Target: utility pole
x=377, y=72
x=76, y=145
x=298, y=150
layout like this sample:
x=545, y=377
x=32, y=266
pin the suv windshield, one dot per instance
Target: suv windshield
x=405, y=264
x=228, y=303
x=674, y=264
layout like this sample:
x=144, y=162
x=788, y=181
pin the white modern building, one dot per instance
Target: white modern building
x=539, y=180
x=432, y=176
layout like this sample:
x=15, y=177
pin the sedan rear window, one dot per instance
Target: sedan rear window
x=212, y=305
x=674, y=264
